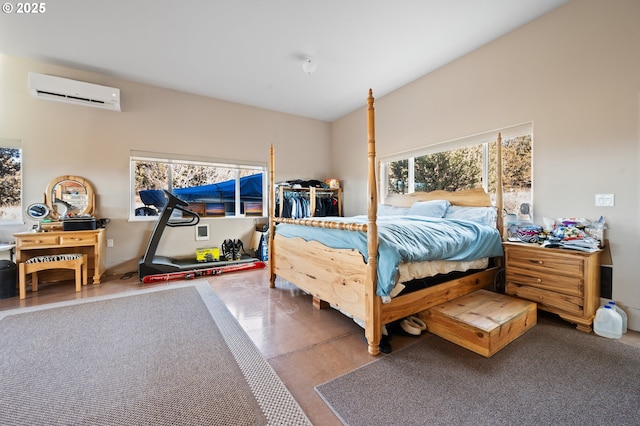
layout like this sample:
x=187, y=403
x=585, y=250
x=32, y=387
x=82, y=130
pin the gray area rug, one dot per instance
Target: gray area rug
x=166, y=356
x=552, y=375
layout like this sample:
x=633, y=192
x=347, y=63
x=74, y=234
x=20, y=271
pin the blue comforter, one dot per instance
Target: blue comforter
x=407, y=239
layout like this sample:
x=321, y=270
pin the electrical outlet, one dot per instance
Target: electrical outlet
x=109, y=242
x=604, y=200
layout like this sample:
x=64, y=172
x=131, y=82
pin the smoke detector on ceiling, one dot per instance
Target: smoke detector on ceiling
x=309, y=66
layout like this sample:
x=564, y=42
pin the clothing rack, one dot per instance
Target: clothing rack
x=312, y=193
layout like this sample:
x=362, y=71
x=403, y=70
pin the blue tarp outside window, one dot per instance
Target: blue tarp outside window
x=222, y=192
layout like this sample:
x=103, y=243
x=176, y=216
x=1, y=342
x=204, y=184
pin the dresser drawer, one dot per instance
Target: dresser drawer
x=38, y=239
x=545, y=261
x=78, y=239
x=573, y=286
x=548, y=299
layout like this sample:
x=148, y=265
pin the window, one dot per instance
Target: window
x=212, y=188
x=464, y=164
x=10, y=181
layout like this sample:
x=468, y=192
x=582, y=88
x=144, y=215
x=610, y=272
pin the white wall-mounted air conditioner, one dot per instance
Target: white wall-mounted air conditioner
x=60, y=89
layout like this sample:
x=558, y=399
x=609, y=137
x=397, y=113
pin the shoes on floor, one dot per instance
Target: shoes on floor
x=232, y=249
x=411, y=326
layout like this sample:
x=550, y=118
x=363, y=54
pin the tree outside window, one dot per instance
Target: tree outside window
x=10, y=184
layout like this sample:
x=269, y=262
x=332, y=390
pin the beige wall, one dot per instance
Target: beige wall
x=61, y=139
x=576, y=74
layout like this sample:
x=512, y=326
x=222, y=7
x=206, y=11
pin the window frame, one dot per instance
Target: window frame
x=483, y=139
x=261, y=167
x=15, y=144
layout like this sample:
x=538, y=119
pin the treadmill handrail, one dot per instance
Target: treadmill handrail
x=195, y=218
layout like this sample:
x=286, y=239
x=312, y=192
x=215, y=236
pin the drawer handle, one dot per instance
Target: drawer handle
x=537, y=262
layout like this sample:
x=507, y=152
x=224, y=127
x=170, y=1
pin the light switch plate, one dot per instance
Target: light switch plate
x=605, y=200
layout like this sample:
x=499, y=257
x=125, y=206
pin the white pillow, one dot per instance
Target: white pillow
x=483, y=215
x=389, y=210
x=433, y=208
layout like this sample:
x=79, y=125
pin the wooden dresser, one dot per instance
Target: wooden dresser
x=562, y=281
x=89, y=242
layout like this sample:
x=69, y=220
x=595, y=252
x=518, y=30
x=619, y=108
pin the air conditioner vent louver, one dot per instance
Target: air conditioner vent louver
x=74, y=92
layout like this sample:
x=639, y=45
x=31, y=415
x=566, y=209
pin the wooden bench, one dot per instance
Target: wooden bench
x=75, y=261
x=482, y=321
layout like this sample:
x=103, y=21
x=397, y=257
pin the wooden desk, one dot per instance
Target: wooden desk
x=91, y=242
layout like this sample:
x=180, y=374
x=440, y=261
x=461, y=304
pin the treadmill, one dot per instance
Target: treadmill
x=150, y=264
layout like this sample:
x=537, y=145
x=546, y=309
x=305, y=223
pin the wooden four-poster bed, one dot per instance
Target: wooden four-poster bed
x=347, y=278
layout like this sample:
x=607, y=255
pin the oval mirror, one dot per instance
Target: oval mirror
x=38, y=211
x=70, y=195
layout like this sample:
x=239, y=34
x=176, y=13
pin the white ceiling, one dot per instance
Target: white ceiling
x=251, y=51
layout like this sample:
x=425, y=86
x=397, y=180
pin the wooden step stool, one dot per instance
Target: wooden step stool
x=482, y=321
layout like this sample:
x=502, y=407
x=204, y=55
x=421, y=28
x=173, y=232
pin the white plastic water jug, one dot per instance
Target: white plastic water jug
x=622, y=314
x=608, y=323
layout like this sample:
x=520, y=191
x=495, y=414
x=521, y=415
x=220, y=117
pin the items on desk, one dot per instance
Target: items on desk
x=571, y=233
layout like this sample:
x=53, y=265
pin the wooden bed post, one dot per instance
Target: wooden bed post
x=272, y=214
x=373, y=310
x=499, y=201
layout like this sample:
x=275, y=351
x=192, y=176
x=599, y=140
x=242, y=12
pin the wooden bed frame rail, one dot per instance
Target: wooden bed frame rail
x=323, y=224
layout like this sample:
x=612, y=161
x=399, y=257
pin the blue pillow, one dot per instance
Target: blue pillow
x=389, y=210
x=433, y=208
x=483, y=215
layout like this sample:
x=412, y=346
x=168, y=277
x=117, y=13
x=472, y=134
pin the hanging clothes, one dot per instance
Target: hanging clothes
x=295, y=202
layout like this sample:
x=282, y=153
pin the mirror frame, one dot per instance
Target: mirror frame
x=42, y=208
x=49, y=199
